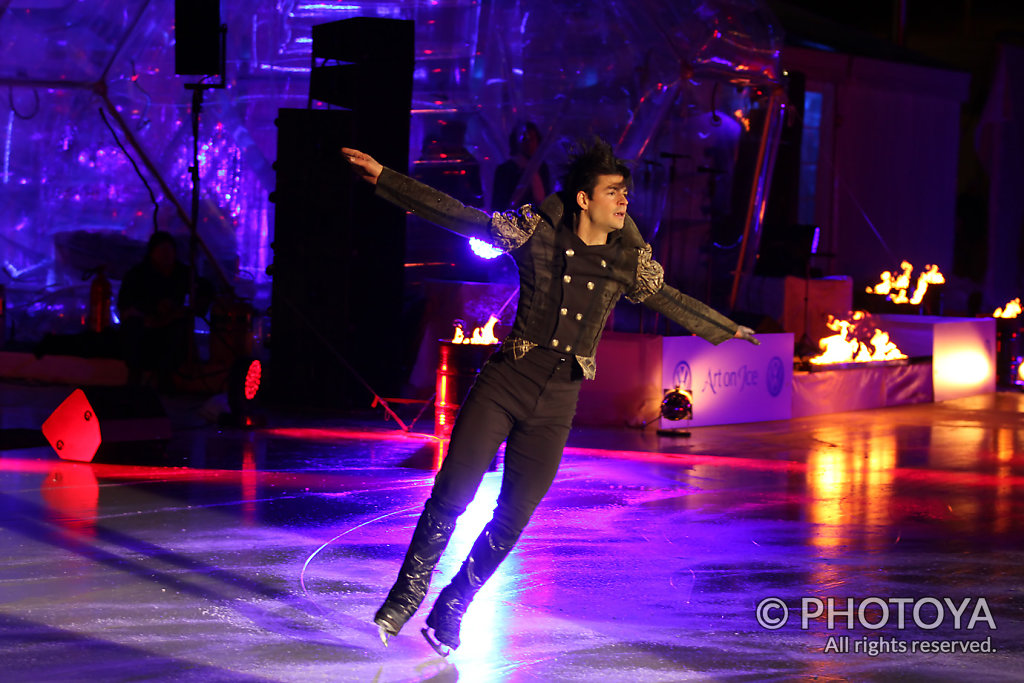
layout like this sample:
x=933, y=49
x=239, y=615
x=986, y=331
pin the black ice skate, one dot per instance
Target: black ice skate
x=428, y=542
x=439, y=647
x=445, y=619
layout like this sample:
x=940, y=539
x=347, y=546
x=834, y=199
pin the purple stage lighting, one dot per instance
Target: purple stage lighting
x=484, y=250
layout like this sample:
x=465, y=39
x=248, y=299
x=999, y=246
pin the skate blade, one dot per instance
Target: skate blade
x=384, y=634
x=439, y=647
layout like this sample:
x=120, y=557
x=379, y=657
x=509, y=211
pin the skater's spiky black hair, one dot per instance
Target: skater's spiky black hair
x=587, y=161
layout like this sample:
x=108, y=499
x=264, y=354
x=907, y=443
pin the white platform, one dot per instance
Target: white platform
x=71, y=370
x=963, y=351
x=952, y=358
x=733, y=382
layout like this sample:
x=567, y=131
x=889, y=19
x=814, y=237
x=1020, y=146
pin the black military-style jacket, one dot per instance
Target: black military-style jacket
x=566, y=288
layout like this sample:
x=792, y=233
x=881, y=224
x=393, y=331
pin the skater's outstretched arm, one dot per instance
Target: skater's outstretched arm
x=504, y=230
x=365, y=166
x=651, y=289
x=697, y=317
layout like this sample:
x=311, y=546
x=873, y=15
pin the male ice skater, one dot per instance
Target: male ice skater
x=577, y=253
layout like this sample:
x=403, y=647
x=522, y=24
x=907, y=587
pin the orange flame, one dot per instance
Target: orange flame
x=855, y=341
x=895, y=287
x=481, y=335
x=1011, y=310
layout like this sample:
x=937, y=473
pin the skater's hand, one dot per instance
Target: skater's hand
x=365, y=166
x=748, y=334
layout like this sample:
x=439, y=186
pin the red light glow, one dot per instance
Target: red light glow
x=314, y=481
x=252, y=380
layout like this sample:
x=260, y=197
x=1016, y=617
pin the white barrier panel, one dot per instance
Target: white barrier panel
x=732, y=382
x=963, y=350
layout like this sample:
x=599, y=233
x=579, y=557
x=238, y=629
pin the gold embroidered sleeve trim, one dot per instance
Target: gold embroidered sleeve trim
x=589, y=365
x=650, y=277
x=511, y=229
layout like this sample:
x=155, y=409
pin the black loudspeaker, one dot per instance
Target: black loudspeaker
x=197, y=40
x=365, y=48
x=339, y=252
x=785, y=250
x=93, y=418
x=3, y=318
x=371, y=76
x=338, y=271
x=784, y=196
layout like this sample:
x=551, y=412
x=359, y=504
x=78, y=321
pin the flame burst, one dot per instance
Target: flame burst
x=857, y=340
x=481, y=335
x=895, y=287
x=1011, y=310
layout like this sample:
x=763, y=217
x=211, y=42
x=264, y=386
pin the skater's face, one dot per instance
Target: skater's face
x=606, y=206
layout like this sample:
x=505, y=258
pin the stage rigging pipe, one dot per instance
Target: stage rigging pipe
x=899, y=22
x=533, y=165
x=124, y=39
x=182, y=213
x=100, y=89
x=55, y=85
x=763, y=167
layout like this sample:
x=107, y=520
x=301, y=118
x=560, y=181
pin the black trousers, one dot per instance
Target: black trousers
x=529, y=401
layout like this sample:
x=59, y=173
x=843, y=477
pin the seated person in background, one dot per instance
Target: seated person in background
x=523, y=143
x=154, y=316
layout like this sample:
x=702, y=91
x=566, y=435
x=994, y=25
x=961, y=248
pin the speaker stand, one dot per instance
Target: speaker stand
x=193, y=229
